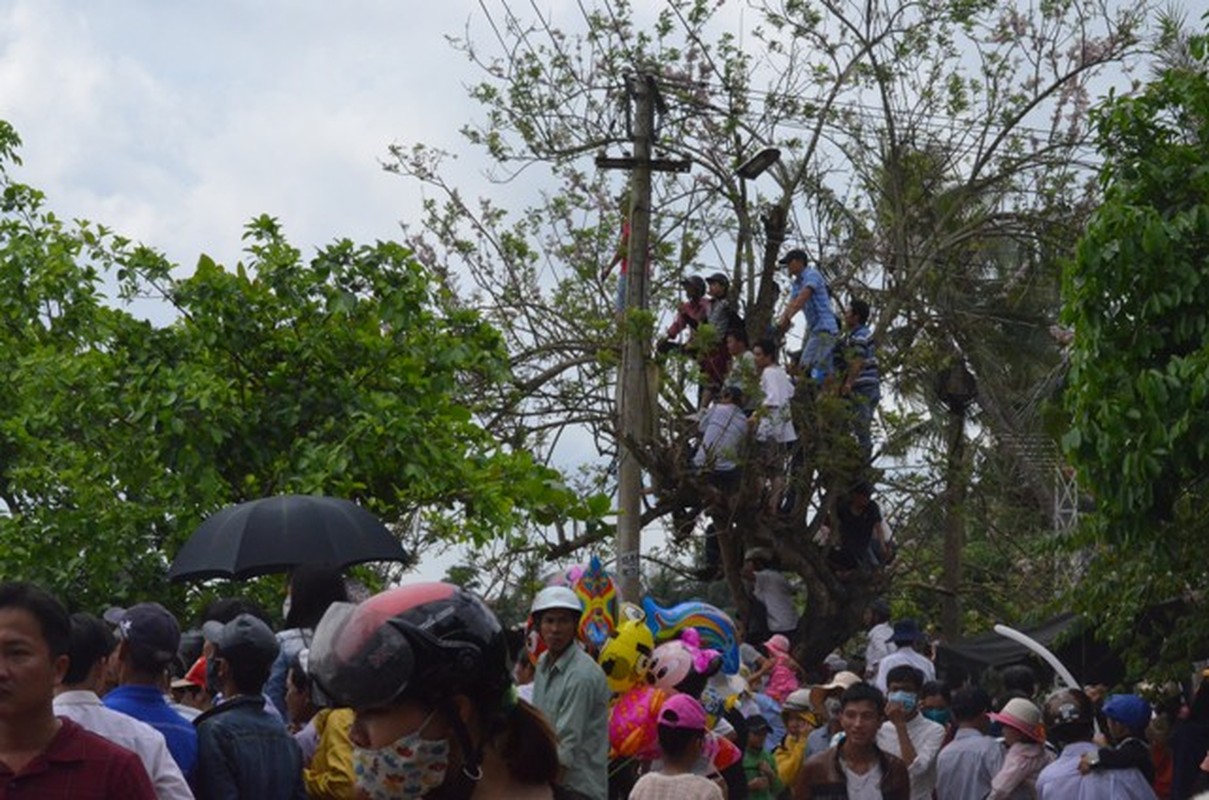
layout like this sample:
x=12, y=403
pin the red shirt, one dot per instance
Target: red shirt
x=78, y=765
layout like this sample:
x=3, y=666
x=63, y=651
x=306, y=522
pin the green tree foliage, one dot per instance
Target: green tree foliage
x=351, y=374
x=931, y=163
x=1137, y=296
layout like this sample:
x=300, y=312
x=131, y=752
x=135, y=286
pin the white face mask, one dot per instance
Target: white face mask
x=411, y=766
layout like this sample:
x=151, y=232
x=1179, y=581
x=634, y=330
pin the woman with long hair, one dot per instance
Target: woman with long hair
x=311, y=589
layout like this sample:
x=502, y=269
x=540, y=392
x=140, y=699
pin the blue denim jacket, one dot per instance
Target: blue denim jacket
x=292, y=641
x=242, y=751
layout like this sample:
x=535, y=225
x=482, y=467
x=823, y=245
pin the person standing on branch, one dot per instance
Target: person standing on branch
x=773, y=421
x=860, y=382
x=692, y=313
x=622, y=257
x=808, y=293
x=715, y=361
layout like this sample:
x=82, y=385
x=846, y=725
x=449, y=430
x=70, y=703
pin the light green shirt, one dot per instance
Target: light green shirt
x=574, y=696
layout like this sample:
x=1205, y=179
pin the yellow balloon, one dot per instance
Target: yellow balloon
x=627, y=653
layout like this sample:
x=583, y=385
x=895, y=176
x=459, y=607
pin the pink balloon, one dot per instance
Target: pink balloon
x=633, y=722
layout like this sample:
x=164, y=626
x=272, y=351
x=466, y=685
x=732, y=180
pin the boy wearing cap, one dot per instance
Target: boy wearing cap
x=722, y=318
x=906, y=635
x=1127, y=715
x=148, y=638
x=1069, y=721
x=758, y=764
x=243, y=751
x=681, y=731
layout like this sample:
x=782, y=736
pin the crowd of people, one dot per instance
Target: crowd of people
x=413, y=692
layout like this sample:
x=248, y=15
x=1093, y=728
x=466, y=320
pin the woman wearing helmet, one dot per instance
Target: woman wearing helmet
x=425, y=668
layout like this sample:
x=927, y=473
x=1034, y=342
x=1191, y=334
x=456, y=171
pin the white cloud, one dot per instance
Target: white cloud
x=175, y=123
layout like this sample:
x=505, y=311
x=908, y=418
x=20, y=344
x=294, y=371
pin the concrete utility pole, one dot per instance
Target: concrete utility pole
x=634, y=411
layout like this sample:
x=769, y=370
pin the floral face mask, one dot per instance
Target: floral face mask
x=411, y=766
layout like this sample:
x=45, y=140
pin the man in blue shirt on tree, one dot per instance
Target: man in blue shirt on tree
x=808, y=293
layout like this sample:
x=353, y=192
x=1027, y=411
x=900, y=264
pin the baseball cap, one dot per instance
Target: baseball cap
x=243, y=636
x=1128, y=709
x=906, y=631
x=757, y=723
x=682, y=711
x=695, y=282
x=148, y=627
x=795, y=254
x=718, y=277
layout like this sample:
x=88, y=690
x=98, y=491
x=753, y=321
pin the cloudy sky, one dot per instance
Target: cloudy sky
x=175, y=122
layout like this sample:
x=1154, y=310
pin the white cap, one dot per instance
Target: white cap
x=556, y=597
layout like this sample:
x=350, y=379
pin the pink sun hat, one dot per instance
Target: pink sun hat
x=1022, y=715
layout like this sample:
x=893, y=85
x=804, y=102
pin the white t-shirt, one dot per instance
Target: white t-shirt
x=866, y=786
x=927, y=737
x=772, y=589
x=776, y=424
x=879, y=647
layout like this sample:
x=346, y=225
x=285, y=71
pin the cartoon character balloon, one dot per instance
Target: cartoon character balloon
x=683, y=665
x=715, y=627
x=634, y=721
x=596, y=589
x=626, y=655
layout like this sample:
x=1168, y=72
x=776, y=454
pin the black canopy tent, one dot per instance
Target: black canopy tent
x=1089, y=660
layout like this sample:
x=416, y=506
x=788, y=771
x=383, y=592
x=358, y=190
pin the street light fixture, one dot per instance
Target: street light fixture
x=755, y=166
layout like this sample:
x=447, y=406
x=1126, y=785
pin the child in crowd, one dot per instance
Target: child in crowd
x=781, y=669
x=758, y=763
x=800, y=720
x=681, y=730
x=1026, y=756
x=1128, y=716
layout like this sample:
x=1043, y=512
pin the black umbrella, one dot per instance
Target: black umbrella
x=276, y=534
